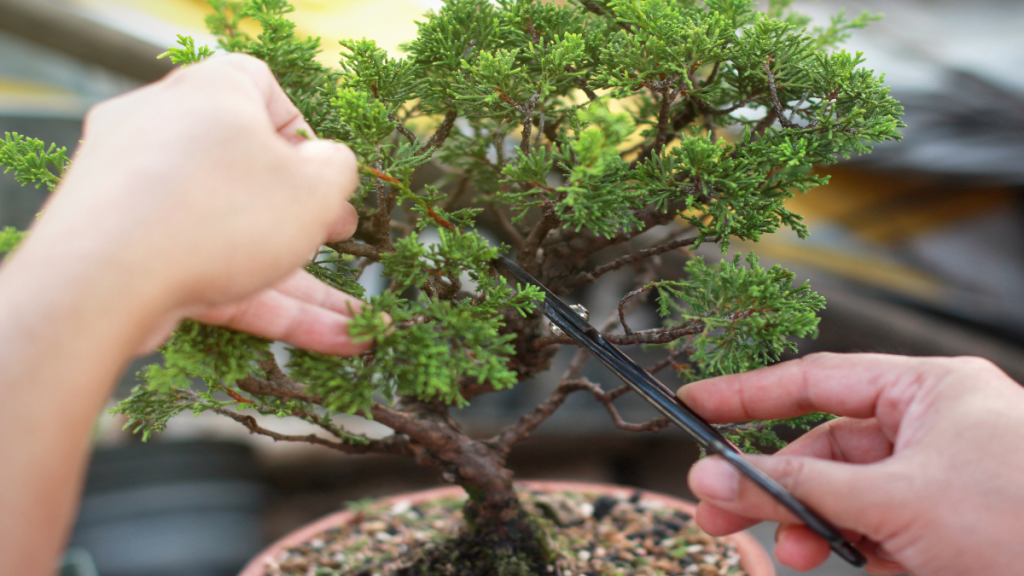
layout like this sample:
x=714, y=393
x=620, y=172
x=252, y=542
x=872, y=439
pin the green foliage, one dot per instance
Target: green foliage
x=610, y=117
x=188, y=53
x=754, y=438
x=10, y=238
x=32, y=162
x=747, y=314
x=148, y=410
x=217, y=356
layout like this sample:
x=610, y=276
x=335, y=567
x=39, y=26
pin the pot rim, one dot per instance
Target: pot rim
x=754, y=559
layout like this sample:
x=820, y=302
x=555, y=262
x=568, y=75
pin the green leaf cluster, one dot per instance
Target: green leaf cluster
x=747, y=314
x=188, y=53
x=10, y=237
x=32, y=162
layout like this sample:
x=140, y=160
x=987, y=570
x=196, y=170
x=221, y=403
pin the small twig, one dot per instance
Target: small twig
x=592, y=276
x=442, y=132
x=395, y=444
x=668, y=360
x=549, y=220
x=513, y=234
x=786, y=123
x=402, y=129
x=625, y=300
x=527, y=111
x=452, y=201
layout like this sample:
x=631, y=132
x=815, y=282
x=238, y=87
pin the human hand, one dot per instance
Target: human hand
x=922, y=471
x=203, y=185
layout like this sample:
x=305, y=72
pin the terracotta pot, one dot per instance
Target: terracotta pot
x=754, y=558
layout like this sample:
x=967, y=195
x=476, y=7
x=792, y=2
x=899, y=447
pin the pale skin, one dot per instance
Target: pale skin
x=924, y=470
x=198, y=197
x=195, y=196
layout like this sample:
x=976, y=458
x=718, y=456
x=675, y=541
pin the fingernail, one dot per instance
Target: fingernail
x=715, y=479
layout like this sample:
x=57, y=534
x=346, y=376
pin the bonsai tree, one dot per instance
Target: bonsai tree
x=589, y=136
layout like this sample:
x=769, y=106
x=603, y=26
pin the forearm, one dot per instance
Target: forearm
x=68, y=325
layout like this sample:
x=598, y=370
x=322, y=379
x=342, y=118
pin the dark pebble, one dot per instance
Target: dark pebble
x=603, y=507
x=670, y=525
x=638, y=535
x=635, y=498
x=682, y=516
x=661, y=533
x=393, y=531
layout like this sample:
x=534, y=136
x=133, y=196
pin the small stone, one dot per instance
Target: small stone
x=382, y=536
x=625, y=555
x=640, y=552
x=623, y=512
x=603, y=506
x=401, y=507
x=583, y=555
x=587, y=509
x=635, y=498
x=562, y=510
x=374, y=526
x=708, y=570
x=600, y=552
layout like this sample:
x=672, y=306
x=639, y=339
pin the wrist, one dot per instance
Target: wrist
x=81, y=288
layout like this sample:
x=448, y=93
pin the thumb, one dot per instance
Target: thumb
x=850, y=496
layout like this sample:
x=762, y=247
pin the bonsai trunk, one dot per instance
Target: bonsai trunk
x=500, y=537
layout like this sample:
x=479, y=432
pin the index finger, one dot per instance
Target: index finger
x=843, y=384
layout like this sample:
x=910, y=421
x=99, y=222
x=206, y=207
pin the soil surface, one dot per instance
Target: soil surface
x=592, y=535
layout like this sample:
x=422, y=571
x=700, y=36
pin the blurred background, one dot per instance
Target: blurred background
x=918, y=248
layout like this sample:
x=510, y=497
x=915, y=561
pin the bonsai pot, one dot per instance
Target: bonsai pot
x=754, y=559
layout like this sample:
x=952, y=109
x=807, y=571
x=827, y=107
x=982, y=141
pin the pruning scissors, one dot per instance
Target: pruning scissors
x=659, y=396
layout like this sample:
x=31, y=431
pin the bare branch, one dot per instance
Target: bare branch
x=527, y=110
x=549, y=220
x=529, y=422
x=353, y=248
x=781, y=116
x=625, y=300
x=668, y=360
x=402, y=129
x=511, y=232
x=656, y=336
x=397, y=444
x=442, y=132
x=588, y=277
x=581, y=84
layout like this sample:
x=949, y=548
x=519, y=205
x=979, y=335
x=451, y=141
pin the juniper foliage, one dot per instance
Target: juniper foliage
x=564, y=129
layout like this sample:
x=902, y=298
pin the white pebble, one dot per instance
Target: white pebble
x=401, y=507
x=316, y=543
x=600, y=552
x=694, y=548
x=587, y=510
x=382, y=536
x=583, y=555
x=650, y=504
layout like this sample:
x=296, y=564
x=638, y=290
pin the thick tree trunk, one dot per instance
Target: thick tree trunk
x=500, y=536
